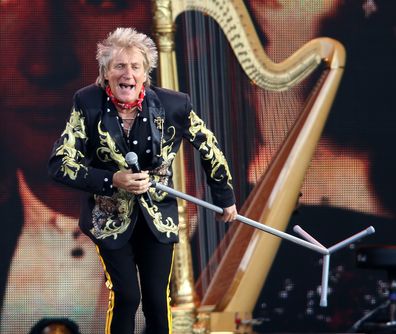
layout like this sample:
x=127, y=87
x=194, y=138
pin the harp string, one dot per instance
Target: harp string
x=203, y=81
x=226, y=99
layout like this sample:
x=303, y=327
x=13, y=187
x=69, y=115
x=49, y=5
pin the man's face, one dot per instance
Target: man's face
x=126, y=74
x=48, y=52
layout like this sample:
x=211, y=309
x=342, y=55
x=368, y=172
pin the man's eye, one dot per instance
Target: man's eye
x=107, y=4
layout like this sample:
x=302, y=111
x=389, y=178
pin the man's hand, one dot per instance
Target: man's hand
x=135, y=183
x=229, y=214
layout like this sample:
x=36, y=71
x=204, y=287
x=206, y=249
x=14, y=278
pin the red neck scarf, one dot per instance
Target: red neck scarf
x=127, y=105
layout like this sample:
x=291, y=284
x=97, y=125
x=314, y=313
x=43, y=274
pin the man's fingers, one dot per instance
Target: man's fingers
x=138, y=187
x=140, y=176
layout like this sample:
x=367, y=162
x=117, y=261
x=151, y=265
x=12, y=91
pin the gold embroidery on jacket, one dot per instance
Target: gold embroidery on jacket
x=111, y=215
x=108, y=151
x=209, y=148
x=159, y=122
x=166, y=227
x=75, y=129
x=162, y=173
x=167, y=145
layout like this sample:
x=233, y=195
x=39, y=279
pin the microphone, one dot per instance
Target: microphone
x=131, y=159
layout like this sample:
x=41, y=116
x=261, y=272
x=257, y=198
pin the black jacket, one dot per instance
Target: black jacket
x=93, y=147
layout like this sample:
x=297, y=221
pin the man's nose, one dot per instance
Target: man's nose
x=49, y=60
x=129, y=73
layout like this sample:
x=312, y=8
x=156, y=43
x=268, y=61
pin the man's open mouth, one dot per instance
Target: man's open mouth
x=125, y=86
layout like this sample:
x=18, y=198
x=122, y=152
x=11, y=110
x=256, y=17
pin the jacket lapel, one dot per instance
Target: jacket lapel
x=157, y=119
x=113, y=127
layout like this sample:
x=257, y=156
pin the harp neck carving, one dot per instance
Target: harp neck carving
x=234, y=20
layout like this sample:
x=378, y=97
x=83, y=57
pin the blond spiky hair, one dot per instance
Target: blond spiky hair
x=125, y=38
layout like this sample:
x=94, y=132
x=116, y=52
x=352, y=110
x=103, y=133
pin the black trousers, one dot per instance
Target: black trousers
x=145, y=257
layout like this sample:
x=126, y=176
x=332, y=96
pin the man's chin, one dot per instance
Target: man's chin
x=128, y=99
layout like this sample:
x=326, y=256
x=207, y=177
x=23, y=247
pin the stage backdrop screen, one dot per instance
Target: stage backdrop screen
x=49, y=269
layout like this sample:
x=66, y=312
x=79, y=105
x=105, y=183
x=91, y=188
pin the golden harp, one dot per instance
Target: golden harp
x=240, y=275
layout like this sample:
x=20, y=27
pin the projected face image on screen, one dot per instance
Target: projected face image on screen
x=345, y=145
x=348, y=184
x=48, y=268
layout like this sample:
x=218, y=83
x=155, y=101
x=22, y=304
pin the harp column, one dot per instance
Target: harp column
x=183, y=292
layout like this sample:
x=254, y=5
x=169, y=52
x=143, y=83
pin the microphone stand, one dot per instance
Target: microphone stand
x=309, y=243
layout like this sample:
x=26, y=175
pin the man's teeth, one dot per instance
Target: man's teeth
x=124, y=86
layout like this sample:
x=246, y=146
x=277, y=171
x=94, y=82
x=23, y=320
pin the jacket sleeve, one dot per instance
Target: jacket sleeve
x=218, y=174
x=69, y=164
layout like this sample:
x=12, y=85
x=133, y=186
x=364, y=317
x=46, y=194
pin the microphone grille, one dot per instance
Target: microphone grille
x=131, y=158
